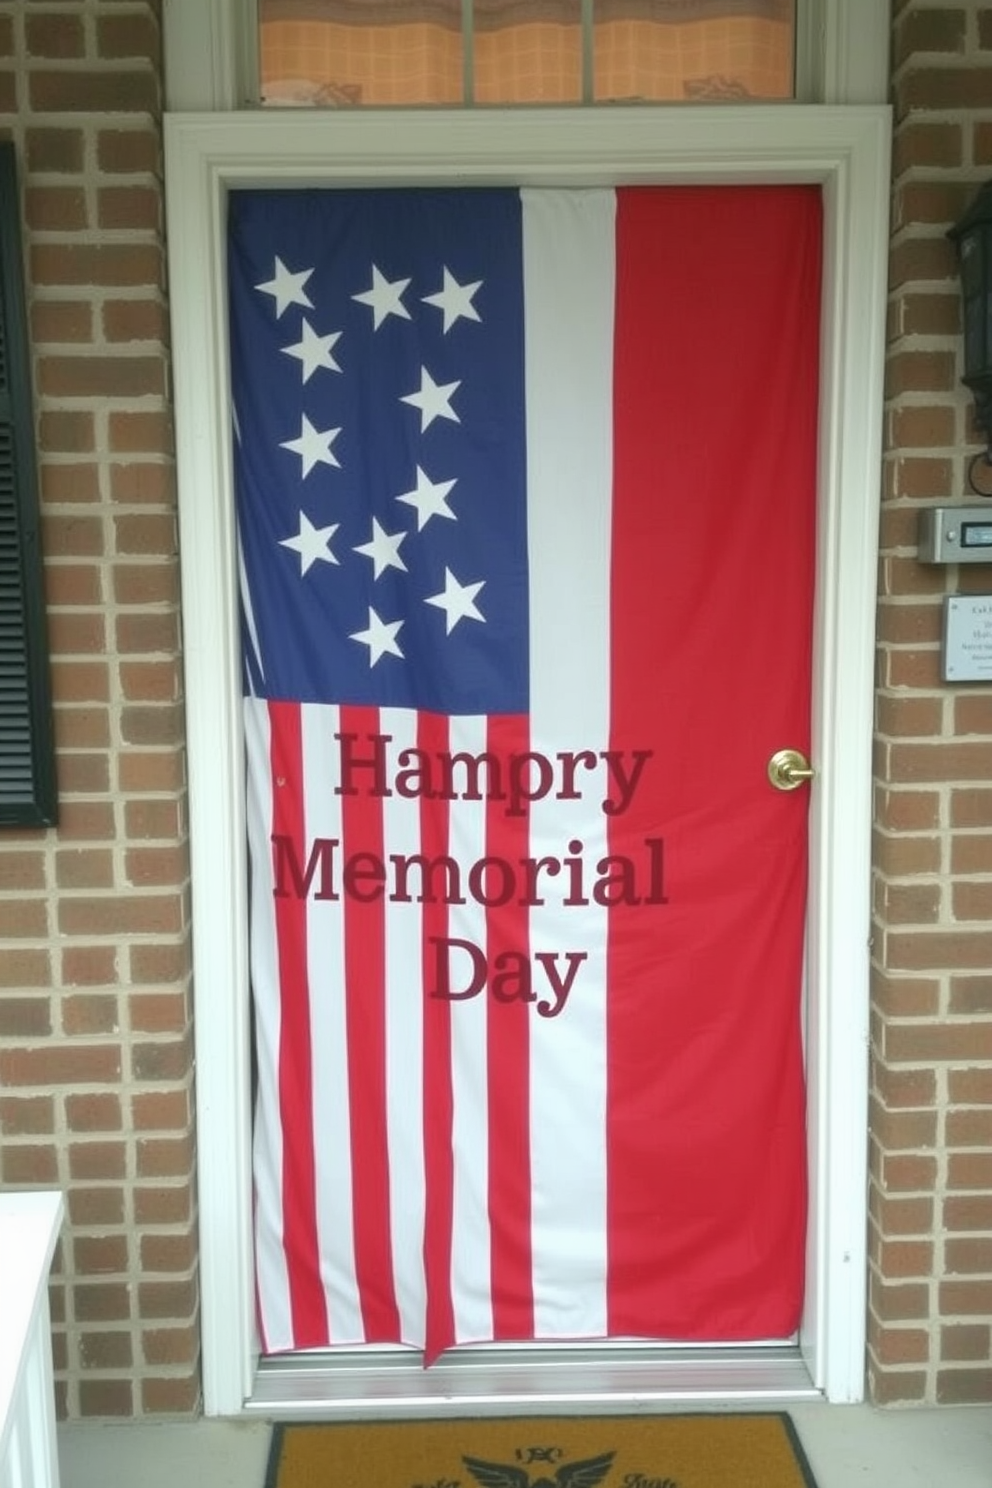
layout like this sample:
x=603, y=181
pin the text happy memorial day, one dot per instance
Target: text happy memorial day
x=461, y=968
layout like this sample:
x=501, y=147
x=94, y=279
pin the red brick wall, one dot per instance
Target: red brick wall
x=95, y=1028
x=930, y=1317
x=95, y=1018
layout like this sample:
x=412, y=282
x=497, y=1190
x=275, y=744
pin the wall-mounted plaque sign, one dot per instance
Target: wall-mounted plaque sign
x=967, y=649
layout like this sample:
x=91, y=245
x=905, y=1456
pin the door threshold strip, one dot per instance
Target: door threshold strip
x=387, y=1385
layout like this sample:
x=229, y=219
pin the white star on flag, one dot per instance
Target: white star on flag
x=383, y=549
x=433, y=400
x=455, y=300
x=385, y=298
x=380, y=637
x=457, y=600
x=312, y=543
x=313, y=446
x=429, y=499
x=286, y=287
x=314, y=351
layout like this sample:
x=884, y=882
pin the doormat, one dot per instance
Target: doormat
x=677, y=1451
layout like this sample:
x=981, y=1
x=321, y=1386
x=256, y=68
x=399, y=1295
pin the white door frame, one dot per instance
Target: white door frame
x=846, y=151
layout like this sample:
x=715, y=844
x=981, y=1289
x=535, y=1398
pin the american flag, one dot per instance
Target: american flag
x=485, y=571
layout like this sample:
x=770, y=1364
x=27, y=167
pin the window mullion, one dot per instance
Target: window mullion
x=588, y=88
x=468, y=51
x=809, y=50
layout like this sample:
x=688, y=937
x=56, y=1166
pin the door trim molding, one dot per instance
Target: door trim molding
x=846, y=151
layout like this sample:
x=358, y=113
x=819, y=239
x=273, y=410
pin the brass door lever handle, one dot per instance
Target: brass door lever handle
x=788, y=768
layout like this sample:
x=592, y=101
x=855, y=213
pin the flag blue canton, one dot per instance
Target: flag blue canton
x=380, y=453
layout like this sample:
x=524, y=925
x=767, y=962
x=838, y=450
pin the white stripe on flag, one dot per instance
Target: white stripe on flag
x=273, y=1279
x=249, y=618
x=569, y=277
x=471, y=1291
x=329, y=1042
x=405, y=1050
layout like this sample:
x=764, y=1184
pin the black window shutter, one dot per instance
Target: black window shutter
x=27, y=747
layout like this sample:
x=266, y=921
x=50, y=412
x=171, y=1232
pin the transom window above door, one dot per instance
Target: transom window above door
x=381, y=53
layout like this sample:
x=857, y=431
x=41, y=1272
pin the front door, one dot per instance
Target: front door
x=526, y=501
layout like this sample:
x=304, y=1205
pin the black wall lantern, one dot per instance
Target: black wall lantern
x=973, y=239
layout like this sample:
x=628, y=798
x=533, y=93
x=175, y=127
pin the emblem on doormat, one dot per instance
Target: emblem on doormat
x=584, y=1474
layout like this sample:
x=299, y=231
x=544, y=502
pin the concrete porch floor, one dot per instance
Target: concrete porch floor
x=847, y=1446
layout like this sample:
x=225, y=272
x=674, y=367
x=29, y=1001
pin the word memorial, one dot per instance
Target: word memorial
x=323, y=869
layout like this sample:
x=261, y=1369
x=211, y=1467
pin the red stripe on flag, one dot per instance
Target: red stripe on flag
x=432, y=739
x=510, y=1008
x=299, y=1208
x=714, y=504
x=365, y=995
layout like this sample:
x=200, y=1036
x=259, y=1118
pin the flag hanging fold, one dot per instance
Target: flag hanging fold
x=525, y=501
